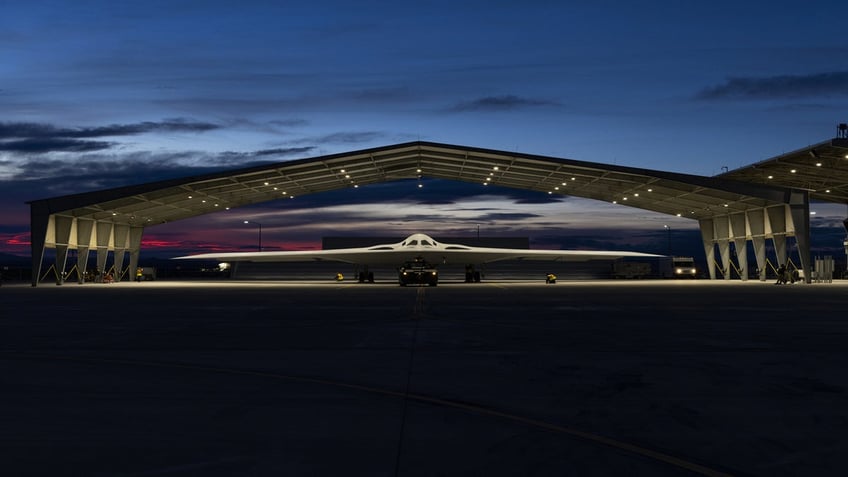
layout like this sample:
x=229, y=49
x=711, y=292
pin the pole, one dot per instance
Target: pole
x=260, y=232
x=668, y=230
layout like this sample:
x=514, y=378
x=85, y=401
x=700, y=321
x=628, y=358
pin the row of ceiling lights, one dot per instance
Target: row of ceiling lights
x=794, y=171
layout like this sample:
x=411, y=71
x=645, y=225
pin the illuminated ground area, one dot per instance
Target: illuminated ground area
x=499, y=378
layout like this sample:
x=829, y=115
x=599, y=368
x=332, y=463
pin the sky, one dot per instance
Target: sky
x=99, y=94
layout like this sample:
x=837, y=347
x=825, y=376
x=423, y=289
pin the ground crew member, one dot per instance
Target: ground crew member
x=139, y=273
x=781, y=275
x=339, y=277
x=550, y=278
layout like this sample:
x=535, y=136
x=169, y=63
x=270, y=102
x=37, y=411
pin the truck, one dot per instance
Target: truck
x=684, y=267
x=418, y=272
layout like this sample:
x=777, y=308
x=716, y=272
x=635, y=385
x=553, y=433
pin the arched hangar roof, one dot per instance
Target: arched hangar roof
x=692, y=196
x=821, y=169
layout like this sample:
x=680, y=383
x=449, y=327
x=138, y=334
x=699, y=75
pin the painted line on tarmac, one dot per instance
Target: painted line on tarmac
x=418, y=308
x=614, y=443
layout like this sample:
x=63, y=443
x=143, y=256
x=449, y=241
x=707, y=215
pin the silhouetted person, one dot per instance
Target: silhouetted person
x=781, y=275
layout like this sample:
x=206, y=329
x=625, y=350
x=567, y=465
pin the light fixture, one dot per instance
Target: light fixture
x=615, y=202
x=818, y=164
x=190, y=197
x=266, y=183
x=650, y=190
x=679, y=215
x=727, y=205
x=636, y=195
x=793, y=171
x=342, y=171
x=771, y=177
x=496, y=167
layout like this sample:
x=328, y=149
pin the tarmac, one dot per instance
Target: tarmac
x=258, y=378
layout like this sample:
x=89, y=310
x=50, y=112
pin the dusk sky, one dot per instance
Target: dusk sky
x=102, y=94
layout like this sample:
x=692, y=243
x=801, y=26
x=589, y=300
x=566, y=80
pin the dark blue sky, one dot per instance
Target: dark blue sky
x=99, y=94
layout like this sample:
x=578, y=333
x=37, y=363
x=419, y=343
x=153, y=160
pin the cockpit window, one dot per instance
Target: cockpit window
x=413, y=242
x=424, y=242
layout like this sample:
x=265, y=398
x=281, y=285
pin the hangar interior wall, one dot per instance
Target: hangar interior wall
x=775, y=223
x=66, y=233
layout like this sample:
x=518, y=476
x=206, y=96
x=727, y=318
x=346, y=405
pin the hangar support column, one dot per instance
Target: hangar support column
x=777, y=226
x=84, y=229
x=39, y=217
x=135, y=248
x=739, y=232
x=799, y=210
x=121, y=234
x=756, y=224
x=104, y=236
x=722, y=233
x=62, y=226
x=708, y=237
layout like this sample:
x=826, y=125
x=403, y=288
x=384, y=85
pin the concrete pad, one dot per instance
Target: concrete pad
x=497, y=378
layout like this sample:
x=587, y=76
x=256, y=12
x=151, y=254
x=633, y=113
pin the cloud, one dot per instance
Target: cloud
x=779, y=87
x=231, y=157
x=31, y=138
x=283, y=151
x=342, y=138
x=36, y=130
x=507, y=102
x=40, y=145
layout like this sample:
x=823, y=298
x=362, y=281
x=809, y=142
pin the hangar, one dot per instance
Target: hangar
x=767, y=200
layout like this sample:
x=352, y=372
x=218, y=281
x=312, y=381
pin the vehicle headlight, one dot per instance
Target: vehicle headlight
x=679, y=271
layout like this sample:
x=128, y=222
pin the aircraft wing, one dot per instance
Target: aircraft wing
x=343, y=255
x=415, y=246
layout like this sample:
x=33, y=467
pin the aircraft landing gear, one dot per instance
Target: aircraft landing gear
x=362, y=277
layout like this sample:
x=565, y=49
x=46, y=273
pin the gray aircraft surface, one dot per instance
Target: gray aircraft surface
x=418, y=247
